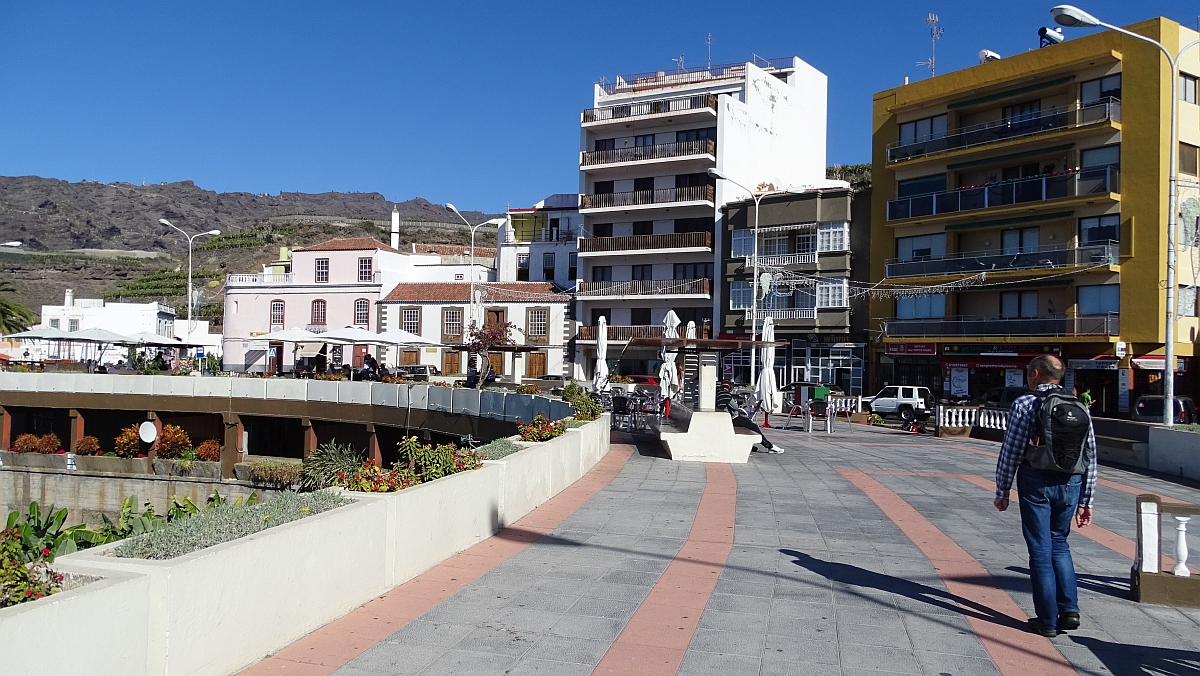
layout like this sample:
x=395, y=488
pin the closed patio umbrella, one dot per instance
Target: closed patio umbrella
x=768, y=390
x=668, y=376
x=601, y=375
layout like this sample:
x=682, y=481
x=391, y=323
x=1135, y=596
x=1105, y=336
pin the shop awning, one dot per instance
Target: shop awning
x=309, y=349
x=1155, y=362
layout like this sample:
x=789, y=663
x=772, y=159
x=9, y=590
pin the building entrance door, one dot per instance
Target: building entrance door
x=451, y=362
x=535, y=364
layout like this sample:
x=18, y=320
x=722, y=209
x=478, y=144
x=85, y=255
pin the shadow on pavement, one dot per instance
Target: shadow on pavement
x=854, y=576
x=647, y=444
x=1124, y=659
x=1116, y=587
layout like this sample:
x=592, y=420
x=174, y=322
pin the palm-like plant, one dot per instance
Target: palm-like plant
x=14, y=317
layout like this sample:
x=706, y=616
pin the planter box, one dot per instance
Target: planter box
x=36, y=460
x=112, y=464
x=203, y=470
x=1174, y=452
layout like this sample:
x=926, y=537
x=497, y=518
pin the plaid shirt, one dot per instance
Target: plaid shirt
x=1018, y=435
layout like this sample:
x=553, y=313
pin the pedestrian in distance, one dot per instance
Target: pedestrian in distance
x=724, y=402
x=1050, y=448
x=1086, y=397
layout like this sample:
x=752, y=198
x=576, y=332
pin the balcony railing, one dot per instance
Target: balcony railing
x=660, y=151
x=647, y=287
x=995, y=261
x=1052, y=119
x=671, y=240
x=273, y=279
x=683, y=76
x=695, y=193
x=621, y=333
x=1099, y=325
x=317, y=328
x=783, y=260
x=784, y=313
x=1074, y=183
x=631, y=111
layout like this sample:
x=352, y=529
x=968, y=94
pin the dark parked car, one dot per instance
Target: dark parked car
x=1000, y=397
x=1149, y=408
x=553, y=378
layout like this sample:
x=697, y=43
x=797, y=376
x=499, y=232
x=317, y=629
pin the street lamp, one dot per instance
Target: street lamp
x=1073, y=17
x=190, y=239
x=494, y=221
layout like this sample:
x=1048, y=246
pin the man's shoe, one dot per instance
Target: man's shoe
x=1036, y=627
x=1068, y=621
x=776, y=449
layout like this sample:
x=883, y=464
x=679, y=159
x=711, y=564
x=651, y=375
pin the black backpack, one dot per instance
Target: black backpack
x=1061, y=426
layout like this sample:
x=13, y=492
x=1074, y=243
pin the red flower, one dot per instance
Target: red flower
x=45, y=552
x=29, y=592
x=59, y=452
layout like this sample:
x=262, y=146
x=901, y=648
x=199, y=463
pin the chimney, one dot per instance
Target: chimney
x=395, y=227
x=69, y=298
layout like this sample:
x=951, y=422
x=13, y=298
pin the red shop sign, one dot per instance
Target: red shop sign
x=911, y=348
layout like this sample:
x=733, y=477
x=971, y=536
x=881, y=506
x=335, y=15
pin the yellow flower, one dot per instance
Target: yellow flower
x=266, y=516
x=303, y=509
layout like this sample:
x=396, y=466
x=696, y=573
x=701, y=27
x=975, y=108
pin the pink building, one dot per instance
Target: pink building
x=322, y=287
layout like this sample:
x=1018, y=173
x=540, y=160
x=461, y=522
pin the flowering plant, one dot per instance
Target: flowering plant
x=49, y=443
x=493, y=334
x=173, y=442
x=328, y=376
x=528, y=389
x=21, y=582
x=88, y=446
x=209, y=451
x=619, y=379
x=128, y=444
x=26, y=443
x=395, y=379
x=373, y=479
x=541, y=429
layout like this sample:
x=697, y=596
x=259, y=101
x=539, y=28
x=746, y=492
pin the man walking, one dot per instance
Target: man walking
x=725, y=402
x=1051, y=449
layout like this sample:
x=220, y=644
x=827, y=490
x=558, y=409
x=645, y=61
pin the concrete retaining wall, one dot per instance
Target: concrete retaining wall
x=1174, y=452
x=220, y=609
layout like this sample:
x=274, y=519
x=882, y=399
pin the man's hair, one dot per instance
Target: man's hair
x=1049, y=366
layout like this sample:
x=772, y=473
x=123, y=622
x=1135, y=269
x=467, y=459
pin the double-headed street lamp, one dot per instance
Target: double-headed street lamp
x=494, y=221
x=1073, y=17
x=190, y=239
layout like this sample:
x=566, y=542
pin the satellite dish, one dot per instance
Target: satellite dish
x=986, y=55
x=147, y=432
x=764, y=284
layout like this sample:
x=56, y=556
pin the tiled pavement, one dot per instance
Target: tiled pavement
x=821, y=577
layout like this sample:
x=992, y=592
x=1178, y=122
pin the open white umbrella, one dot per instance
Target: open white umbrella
x=601, y=375
x=39, y=333
x=768, y=390
x=350, y=334
x=96, y=336
x=294, y=335
x=402, y=337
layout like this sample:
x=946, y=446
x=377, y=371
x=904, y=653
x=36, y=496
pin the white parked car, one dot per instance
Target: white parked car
x=903, y=401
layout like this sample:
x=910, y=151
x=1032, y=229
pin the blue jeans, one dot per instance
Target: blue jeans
x=1048, y=503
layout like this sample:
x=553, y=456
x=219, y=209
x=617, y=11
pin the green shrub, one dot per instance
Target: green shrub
x=281, y=474
x=572, y=391
x=42, y=535
x=128, y=444
x=21, y=582
x=433, y=462
x=586, y=408
x=498, y=449
x=173, y=443
x=332, y=464
x=528, y=389
x=226, y=522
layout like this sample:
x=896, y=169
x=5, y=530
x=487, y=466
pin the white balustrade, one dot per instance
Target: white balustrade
x=1181, y=548
x=1148, y=546
x=957, y=416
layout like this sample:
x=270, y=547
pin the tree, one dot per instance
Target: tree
x=483, y=340
x=14, y=317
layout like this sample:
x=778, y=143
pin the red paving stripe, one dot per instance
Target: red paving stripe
x=1133, y=490
x=332, y=646
x=657, y=636
x=1014, y=651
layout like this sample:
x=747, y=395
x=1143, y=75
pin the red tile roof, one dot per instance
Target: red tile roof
x=460, y=292
x=351, y=244
x=453, y=250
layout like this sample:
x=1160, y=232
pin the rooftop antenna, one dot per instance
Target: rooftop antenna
x=935, y=34
x=679, y=61
x=708, y=43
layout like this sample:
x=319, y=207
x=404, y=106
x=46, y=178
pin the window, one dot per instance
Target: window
x=743, y=244
x=364, y=269
x=921, y=186
x=643, y=227
x=741, y=295
x=927, y=306
x=598, y=312
x=693, y=271
x=318, y=312
x=775, y=300
x=643, y=140
x=72, y=325
x=926, y=129
x=1106, y=156
x=537, y=325
x=806, y=298
x=1187, y=88
x=641, y=272
x=452, y=323
x=1187, y=159
x=1014, y=304
x=645, y=184
x=709, y=134
x=1016, y=241
x=1094, y=91
x=602, y=187
x=602, y=229
x=806, y=244
x=773, y=245
x=606, y=144
x=1100, y=299
x=276, y=313
x=602, y=273
x=321, y=270
x=522, y=267
x=54, y=323
x=832, y=292
x=702, y=224
x=692, y=180
x=548, y=267
x=639, y=316
x=1186, y=301
x=921, y=247
x=1022, y=112
x=411, y=320
x=833, y=236
x=572, y=265
x=1100, y=229
x=362, y=312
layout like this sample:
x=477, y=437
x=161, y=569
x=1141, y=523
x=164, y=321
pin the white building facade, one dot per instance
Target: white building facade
x=79, y=314
x=651, y=213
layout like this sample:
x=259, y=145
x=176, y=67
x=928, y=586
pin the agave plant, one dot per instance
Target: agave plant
x=332, y=464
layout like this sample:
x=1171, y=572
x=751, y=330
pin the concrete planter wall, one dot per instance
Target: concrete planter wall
x=1174, y=452
x=112, y=464
x=216, y=611
x=200, y=469
x=38, y=460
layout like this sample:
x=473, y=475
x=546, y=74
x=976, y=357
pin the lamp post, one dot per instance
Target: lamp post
x=190, y=240
x=1073, y=17
x=494, y=221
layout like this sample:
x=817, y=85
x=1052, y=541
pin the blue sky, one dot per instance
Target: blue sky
x=469, y=102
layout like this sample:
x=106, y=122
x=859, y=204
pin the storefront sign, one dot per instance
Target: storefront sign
x=985, y=363
x=1124, y=385
x=259, y=344
x=1069, y=380
x=1001, y=350
x=1093, y=364
x=959, y=382
x=1155, y=363
x=1014, y=378
x=1121, y=349
x=911, y=348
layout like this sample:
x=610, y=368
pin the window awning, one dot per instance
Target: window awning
x=806, y=227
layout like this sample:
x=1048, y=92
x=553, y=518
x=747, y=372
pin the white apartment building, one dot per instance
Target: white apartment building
x=79, y=314
x=440, y=313
x=651, y=212
x=540, y=243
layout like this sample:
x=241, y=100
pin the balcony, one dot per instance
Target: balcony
x=1054, y=119
x=628, y=84
x=287, y=279
x=661, y=151
x=783, y=314
x=1075, y=183
x=647, y=109
x=317, y=328
x=637, y=198
x=967, y=327
x=699, y=288
x=783, y=260
x=635, y=244
x=997, y=261
x=622, y=334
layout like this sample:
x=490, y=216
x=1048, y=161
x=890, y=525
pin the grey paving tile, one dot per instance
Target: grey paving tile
x=530, y=667
x=501, y=640
x=597, y=607
x=696, y=663
x=393, y=658
x=879, y=658
x=587, y=626
x=801, y=650
x=467, y=663
x=574, y=650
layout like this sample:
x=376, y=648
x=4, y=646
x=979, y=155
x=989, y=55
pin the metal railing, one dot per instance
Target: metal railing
x=994, y=261
x=784, y=313
x=545, y=234
x=680, y=76
x=1053, y=119
x=622, y=333
x=270, y=279
x=647, y=287
x=782, y=260
x=671, y=240
x=1098, y=325
x=630, y=111
x=317, y=328
x=659, y=151
x=1074, y=183
x=695, y=193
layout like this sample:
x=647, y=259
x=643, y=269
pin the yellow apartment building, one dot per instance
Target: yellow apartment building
x=1020, y=207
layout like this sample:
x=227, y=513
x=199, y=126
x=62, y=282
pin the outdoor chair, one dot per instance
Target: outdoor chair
x=793, y=409
x=621, y=413
x=820, y=410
